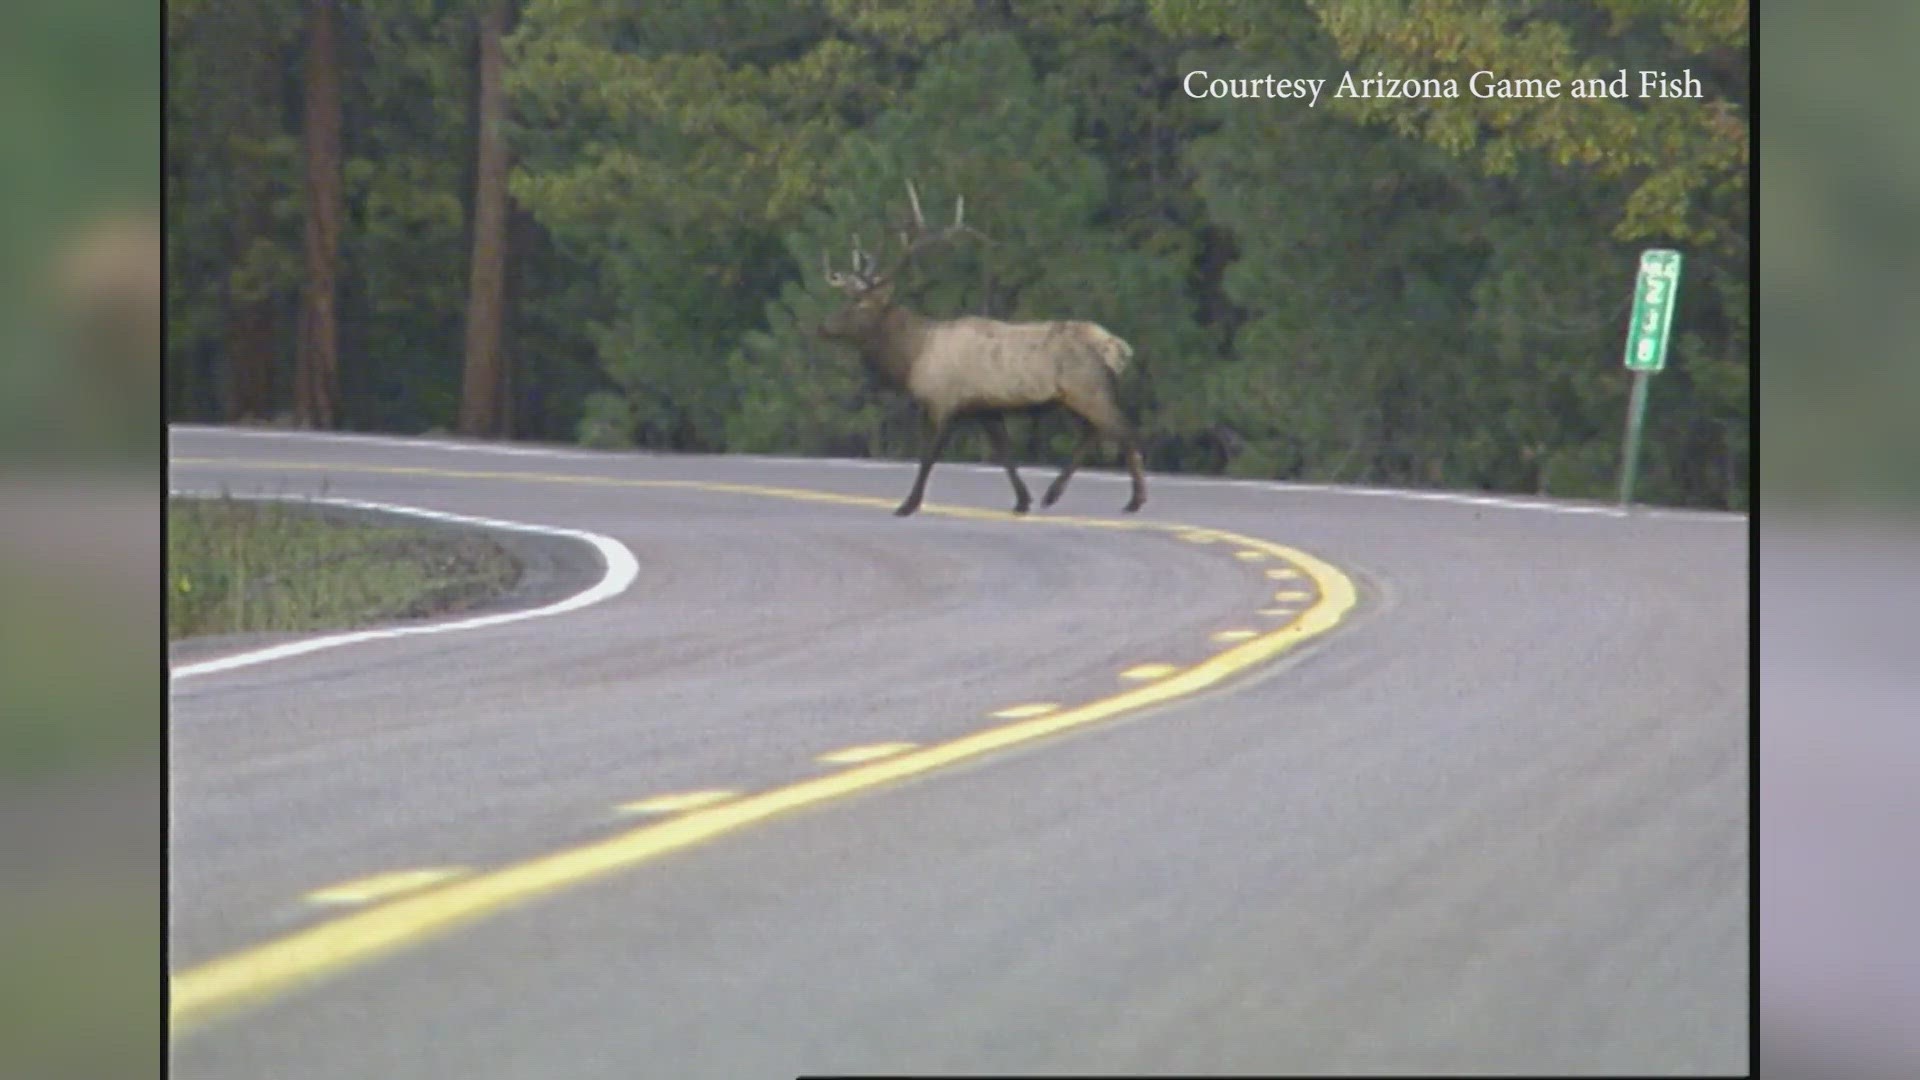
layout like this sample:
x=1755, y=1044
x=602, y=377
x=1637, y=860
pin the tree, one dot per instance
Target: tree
x=485, y=390
x=1686, y=158
x=407, y=241
x=233, y=219
x=672, y=151
x=1438, y=295
x=317, y=370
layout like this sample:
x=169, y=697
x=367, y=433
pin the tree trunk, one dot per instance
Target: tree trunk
x=317, y=369
x=486, y=383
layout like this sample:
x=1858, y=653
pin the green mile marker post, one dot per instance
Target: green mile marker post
x=1653, y=295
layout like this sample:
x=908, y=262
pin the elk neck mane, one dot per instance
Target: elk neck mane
x=890, y=342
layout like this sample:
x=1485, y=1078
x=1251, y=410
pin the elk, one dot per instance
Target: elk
x=980, y=369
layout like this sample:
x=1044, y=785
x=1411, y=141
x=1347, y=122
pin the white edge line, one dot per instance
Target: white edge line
x=621, y=570
x=1455, y=497
x=411, y=442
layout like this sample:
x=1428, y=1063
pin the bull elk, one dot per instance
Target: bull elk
x=981, y=369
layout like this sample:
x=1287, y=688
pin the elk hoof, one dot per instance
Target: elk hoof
x=1052, y=496
x=1134, y=505
x=1022, y=506
x=906, y=509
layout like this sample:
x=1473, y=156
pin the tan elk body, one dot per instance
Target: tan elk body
x=983, y=369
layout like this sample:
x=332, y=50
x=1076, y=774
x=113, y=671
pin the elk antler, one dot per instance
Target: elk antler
x=915, y=237
x=866, y=274
x=860, y=276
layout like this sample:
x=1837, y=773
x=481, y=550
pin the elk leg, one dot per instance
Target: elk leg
x=1105, y=417
x=936, y=442
x=1003, y=448
x=1132, y=453
x=1059, y=485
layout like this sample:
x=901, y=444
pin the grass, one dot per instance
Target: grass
x=235, y=566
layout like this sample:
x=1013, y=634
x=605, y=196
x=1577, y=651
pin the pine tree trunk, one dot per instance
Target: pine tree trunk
x=317, y=368
x=486, y=382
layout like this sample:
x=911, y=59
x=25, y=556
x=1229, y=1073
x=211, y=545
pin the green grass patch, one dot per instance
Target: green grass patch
x=236, y=566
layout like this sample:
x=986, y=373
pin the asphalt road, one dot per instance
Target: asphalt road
x=1496, y=820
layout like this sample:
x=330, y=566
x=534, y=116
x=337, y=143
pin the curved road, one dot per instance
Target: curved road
x=1494, y=819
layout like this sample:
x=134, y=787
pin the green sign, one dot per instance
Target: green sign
x=1653, y=295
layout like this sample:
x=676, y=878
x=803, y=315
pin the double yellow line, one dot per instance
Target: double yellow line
x=220, y=986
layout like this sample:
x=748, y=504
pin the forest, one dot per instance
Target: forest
x=602, y=222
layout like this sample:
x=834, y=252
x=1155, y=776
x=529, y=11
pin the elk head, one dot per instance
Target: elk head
x=868, y=285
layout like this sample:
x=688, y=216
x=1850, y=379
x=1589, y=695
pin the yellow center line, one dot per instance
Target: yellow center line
x=383, y=886
x=673, y=804
x=854, y=755
x=1021, y=712
x=214, y=988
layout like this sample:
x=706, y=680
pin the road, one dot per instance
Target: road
x=1493, y=819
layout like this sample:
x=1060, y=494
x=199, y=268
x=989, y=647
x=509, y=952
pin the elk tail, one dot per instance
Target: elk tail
x=1115, y=353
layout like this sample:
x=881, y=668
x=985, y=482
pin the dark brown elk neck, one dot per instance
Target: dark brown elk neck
x=891, y=342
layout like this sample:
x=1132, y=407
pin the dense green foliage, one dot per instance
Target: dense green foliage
x=1409, y=291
